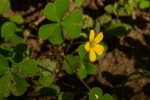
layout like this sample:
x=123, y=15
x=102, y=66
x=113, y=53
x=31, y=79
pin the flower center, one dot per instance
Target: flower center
x=92, y=44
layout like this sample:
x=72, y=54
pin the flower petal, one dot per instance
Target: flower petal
x=92, y=55
x=92, y=35
x=98, y=38
x=99, y=49
x=87, y=46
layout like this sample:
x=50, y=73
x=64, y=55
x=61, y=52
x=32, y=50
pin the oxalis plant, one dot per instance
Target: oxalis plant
x=17, y=69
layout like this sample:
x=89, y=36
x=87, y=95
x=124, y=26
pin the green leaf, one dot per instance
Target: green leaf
x=52, y=90
x=8, y=29
x=82, y=71
x=46, y=80
x=129, y=9
x=48, y=64
x=5, y=84
x=137, y=1
x=46, y=30
x=66, y=96
x=16, y=19
x=144, y=4
x=107, y=97
x=82, y=52
x=4, y=6
x=25, y=68
x=95, y=94
x=57, y=37
x=50, y=12
x=118, y=29
x=87, y=22
x=62, y=7
x=55, y=11
x=97, y=26
x=15, y=39
x=78, y=3
x=3, y=65
x=72, y=22
x=73, y=61
x=90, y=68
x=104, y=19
x=18, y=85
x=20, y=52
x=109, y=8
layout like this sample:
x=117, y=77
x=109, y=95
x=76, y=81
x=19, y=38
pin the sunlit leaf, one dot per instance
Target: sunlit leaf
x=46, y=80
x=50, y=12
x=17, y=19
x=4, y=6
x=46, y=30
x=57, y=36
x=8, y=29
x=72, y=22
x=144, y=4
x=62, y=7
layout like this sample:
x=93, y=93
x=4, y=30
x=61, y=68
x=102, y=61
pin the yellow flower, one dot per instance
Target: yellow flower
x=92, y=45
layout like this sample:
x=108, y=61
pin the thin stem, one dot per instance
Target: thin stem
x=68, y=46
x=75, y=71
x=77, y=43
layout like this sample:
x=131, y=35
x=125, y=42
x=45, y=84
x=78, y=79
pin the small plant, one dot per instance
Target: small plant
x=79, y=43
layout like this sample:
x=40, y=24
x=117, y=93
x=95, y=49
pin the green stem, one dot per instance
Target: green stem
x=75, y=71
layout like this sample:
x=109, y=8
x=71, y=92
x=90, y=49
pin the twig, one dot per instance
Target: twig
x=36, y=23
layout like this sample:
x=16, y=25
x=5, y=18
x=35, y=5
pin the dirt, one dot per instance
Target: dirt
x=117, y=70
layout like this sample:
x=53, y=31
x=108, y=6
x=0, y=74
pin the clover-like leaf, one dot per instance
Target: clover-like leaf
x=18, y=85
x=3, y=65
x=16, y=19
x=107, y=97
x=95, y=94
x=71, y=23
x=82, y=52
x=4, y=84
x=57, y=36
x=72, y=60
x=46, y=80
x=66, y=96
x=4, y=6
x=90, y=68
x=46, y=30
x=8, y=29
x=26, y=67
x=144, y=4
x=62, y=7
x=50, y=12
x=55, y=11
x=82, y=71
